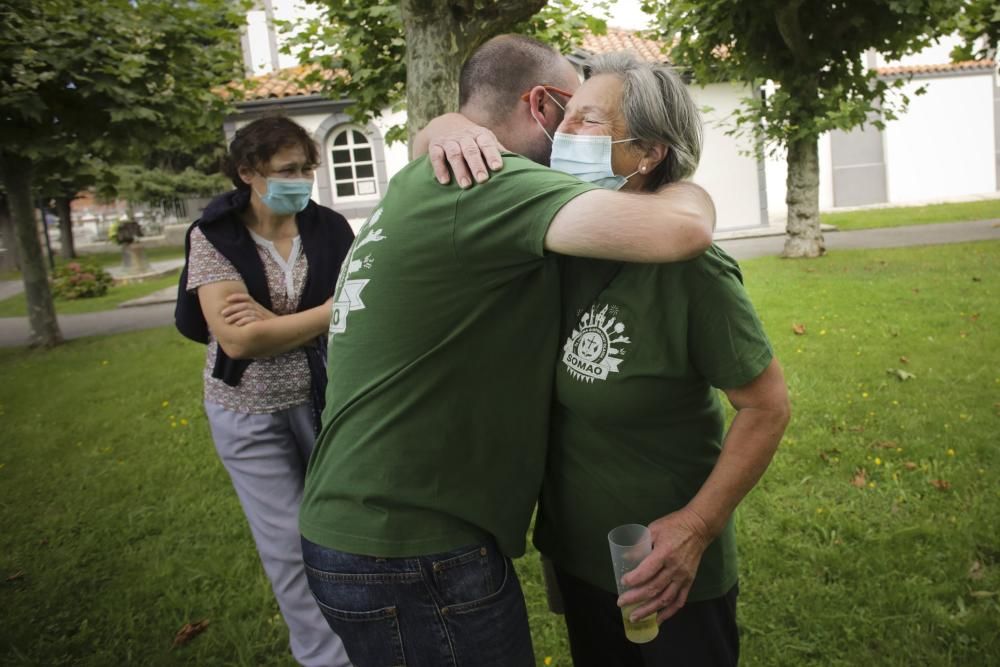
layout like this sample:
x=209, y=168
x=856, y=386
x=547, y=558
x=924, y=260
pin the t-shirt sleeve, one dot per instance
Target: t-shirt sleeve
x=206, y=264
x=507, y=217
x=727, y=342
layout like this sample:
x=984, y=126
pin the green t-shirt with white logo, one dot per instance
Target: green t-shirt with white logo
x=637, y=426
x=442, y=341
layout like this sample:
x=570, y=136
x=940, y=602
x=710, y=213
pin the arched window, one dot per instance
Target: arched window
x=352, y=165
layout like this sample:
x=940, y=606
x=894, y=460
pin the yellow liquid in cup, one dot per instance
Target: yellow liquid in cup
x=642, y=631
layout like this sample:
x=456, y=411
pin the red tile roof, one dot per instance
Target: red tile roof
x=287, y=82
x=617, y=39
x=963, y=66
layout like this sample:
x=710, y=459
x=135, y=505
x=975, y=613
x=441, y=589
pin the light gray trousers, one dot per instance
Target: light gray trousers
x=266, y=457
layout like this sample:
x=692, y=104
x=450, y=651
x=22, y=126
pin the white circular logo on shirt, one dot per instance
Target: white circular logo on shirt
x=589, y=352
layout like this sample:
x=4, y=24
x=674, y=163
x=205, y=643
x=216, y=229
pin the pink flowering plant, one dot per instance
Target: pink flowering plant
x=80, y=280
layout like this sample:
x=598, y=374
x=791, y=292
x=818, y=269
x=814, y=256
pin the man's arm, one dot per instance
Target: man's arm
x=673, y=224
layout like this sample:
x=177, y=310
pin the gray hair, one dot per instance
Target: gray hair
x=657, y=109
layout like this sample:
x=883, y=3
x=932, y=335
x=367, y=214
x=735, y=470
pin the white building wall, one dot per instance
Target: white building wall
x=942, y=147
x=258, y=40
x=396, y=154
x=257, y=43
x=727, y=170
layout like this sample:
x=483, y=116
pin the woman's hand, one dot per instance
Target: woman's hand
x=663, y=579
x=452, y=139
x=242, y=309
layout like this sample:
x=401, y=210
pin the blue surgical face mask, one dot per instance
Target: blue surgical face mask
x=287, y=196
x=588, y=157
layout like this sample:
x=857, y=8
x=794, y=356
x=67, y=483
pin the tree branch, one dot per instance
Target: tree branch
x=787, y=20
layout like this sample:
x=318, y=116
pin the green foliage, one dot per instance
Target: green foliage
x=563, y=24
x=370, y=53
x=93, y=83
x=813, y=49
x=978, y=24
x=159, y=187
x=112, y=76
x=80, y=280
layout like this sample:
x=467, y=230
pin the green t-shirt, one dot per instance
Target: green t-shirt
x=442, y=342
x=637, y=426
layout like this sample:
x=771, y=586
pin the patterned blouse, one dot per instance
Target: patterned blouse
x=272, y=383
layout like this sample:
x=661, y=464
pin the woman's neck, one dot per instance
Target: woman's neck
x=261, y=219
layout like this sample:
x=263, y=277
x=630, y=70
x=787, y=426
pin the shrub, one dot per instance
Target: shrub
x=76, y=280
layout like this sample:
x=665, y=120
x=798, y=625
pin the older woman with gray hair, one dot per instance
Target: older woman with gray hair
x=638, y=428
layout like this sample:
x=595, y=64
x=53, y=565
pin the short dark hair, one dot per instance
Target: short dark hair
x=256, y=143
x=496, y=75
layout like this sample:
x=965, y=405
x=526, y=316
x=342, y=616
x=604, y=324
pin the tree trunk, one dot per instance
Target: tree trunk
x=804, y=236
x=9, y=259
x=67, y=249
x=16, y=174
x=440, y=35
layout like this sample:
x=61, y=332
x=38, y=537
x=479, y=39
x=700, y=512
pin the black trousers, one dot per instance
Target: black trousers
x=701, y=634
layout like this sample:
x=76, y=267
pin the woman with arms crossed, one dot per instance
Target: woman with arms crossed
x=262, y=264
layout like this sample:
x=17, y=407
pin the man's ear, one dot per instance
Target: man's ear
x=541, y=106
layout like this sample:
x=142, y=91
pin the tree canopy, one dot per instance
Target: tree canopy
x=977, y=22
x=104, y=80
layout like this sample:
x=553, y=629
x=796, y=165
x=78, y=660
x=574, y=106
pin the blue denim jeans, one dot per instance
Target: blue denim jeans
x=462, y=608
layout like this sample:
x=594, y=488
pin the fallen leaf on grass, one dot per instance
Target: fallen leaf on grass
x=17, y=575
x=189, y=632
x=799, y=329
x=884, y=444
x=940, y=484
x=900, y=374
x=976, y=571
x=910, y=465
x=859, y=478
x=904, y=360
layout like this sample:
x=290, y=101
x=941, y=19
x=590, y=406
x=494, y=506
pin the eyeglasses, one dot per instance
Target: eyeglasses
x=550, y=90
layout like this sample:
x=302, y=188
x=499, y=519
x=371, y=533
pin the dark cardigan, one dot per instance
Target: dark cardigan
x=326, y=240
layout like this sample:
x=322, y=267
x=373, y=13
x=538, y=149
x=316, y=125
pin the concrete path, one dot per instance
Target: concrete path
x=14, y=331
x=885, y=237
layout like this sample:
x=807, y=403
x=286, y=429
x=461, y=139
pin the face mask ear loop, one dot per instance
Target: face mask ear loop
x=255, y=189
x=556, y=102
x=549, y=136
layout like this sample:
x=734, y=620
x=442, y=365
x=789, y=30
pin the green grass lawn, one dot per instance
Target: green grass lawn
x=898, y=216
x=120, y=525
x=16, y=306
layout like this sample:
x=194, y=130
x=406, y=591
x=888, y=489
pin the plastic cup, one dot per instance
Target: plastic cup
x=629, y=544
